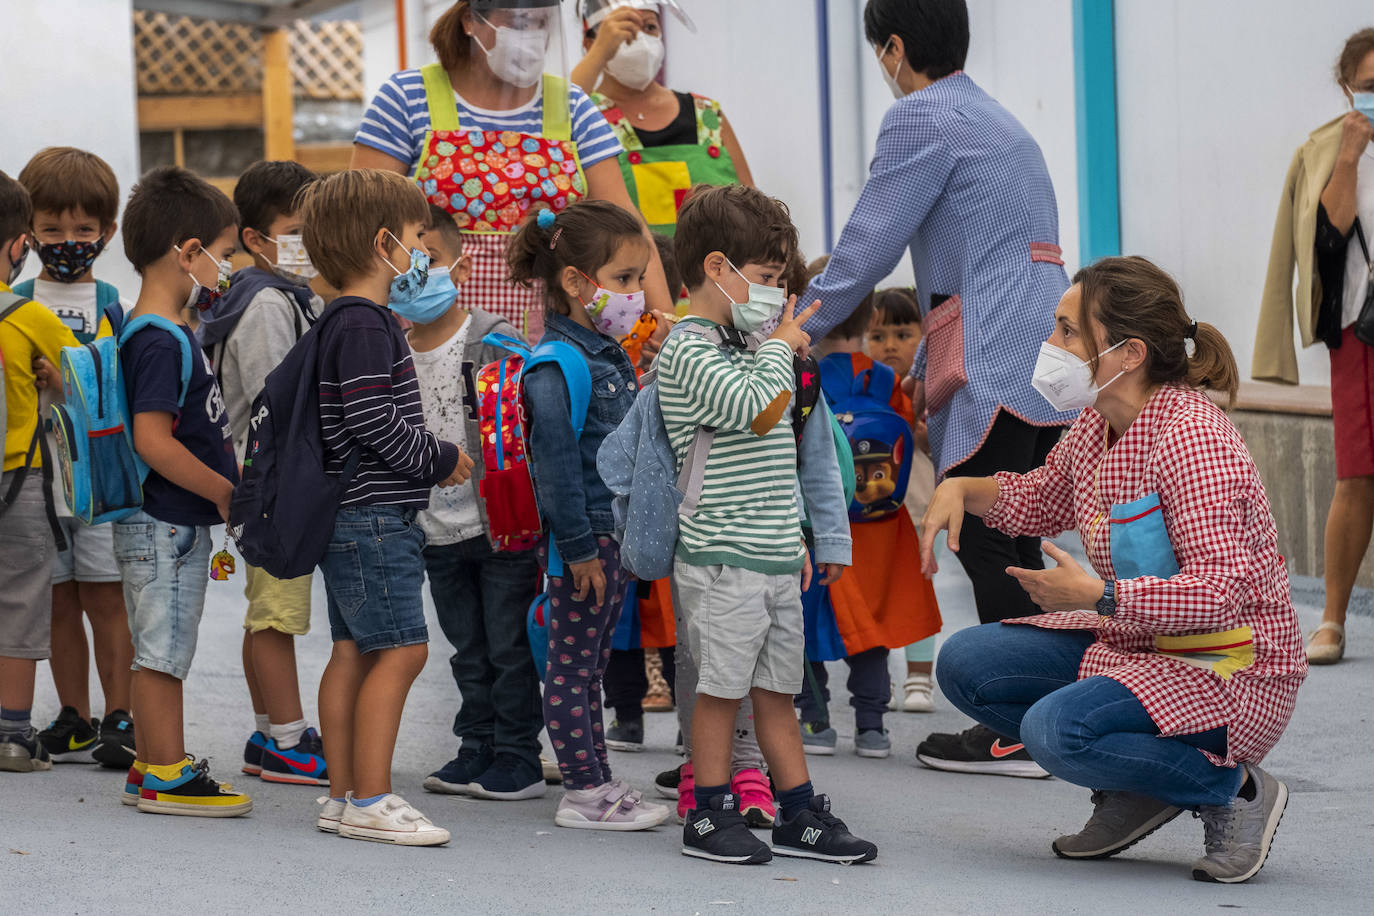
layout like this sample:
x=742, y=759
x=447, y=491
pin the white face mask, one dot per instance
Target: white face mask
x=891, y=78
x=636, y=64
x=763, y=303
x=1067, y=381
x=517, y=55
x=293, y=264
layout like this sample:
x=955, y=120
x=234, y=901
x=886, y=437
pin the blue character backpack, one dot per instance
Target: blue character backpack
x=859, y=392
x=102, y=474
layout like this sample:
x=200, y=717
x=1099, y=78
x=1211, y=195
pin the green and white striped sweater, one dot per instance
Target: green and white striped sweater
x=747, y=515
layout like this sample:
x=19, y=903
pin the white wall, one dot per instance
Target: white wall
x=1213, y=100
x=69, y=86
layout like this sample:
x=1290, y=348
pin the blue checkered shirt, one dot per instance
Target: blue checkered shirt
x=959, y=183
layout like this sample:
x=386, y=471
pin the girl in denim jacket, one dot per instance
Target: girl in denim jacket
x=590, y=259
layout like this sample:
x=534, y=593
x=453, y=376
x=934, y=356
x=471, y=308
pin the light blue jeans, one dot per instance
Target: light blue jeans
x=1022, y=681
x=164, y=568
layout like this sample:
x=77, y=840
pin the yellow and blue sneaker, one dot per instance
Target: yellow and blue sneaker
x=186, y=788
x=70, y=738
x=133, y=783
x=252, y=753
x=302, y=765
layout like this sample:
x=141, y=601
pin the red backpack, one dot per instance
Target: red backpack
x=507, y=488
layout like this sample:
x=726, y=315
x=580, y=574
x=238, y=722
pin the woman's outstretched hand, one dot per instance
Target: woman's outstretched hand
x=945, y=513
x=1064, y=587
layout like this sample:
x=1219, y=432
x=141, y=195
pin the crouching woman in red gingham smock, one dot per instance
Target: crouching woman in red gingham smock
x=1160, y=677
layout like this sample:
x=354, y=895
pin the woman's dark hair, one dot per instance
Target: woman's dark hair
x=934, y=32
x=586, y=235
x=1357, y=47
x=897, y=305
x=451, y=42
x=1133, y=298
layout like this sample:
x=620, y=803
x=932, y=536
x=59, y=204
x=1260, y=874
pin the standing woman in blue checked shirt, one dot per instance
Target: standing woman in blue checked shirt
x=493, y=132
x=960, y=184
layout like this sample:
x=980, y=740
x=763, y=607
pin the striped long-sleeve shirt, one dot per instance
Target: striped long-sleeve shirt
x=747, y=515
x=370, y=401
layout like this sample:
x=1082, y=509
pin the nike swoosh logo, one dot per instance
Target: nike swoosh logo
x=74, y=745
x=999, y=750
x=307, y=768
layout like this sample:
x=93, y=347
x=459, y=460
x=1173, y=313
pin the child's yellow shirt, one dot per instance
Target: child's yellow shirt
x=31, y=331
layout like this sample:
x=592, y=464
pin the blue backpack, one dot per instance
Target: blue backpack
x=106, y=303
x=282, y=512
x=859, y=391
x=102, y=474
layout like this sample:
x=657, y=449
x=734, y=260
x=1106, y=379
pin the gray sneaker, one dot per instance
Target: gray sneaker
x=1119, y=821
x=818, y=738
x=1238, y=835
x=872, y=742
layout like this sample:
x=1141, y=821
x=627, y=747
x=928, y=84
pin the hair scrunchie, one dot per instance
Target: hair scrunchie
x=546, y=218
x=1192, y=332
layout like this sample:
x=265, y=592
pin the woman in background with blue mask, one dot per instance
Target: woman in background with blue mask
x=1325, y=229
x=1161, y=675
x=494, y=132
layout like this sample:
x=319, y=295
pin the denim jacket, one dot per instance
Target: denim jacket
x=573, y=501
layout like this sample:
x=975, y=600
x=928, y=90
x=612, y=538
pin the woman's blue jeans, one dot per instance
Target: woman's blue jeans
x=1022, y=681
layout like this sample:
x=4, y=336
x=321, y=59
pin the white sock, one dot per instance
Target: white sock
x=288, y=735
x=261, y=723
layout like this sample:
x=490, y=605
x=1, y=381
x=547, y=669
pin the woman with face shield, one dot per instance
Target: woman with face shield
x=1160, y=675
x=493, y=132
x=671, y=140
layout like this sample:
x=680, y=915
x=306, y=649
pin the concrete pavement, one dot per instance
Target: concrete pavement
x=947, y=843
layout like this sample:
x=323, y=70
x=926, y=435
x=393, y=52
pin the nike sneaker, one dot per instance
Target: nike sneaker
x=815, y=833
x=302, y=765
x=70, y=738
x=978, y=749
x=115, y=749
x=186, y=788
x=252, y=754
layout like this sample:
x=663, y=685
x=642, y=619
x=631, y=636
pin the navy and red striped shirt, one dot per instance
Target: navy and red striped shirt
x=370, y=400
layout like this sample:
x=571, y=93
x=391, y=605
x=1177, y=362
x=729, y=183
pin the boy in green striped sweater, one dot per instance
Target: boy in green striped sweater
x=741, y=562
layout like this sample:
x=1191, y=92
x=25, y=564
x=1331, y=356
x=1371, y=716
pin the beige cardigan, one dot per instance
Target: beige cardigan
x=1295, y=236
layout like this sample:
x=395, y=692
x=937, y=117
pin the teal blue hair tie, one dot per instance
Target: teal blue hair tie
x=546, y=219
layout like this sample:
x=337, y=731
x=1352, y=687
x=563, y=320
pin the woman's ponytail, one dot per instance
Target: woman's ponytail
x=1213, y=365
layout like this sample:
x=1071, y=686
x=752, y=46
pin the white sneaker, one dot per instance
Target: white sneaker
x=919, y=691
x=390, y=819
x=331, y=812
x=613, y=806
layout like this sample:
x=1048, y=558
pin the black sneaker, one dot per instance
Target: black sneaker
x=252, y=753
x=509, y=778
x=666, y=783
x=23, y=753
x=455, y=777
x=626, y=736
x=720, y=834
x=115, y=749
x=978, y=750
x=818, y=834
x=70, y=738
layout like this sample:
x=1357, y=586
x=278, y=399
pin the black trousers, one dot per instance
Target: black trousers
x=1011, y=445
x=626, y=681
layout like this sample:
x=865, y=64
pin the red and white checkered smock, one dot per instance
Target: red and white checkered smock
x=1183, y=447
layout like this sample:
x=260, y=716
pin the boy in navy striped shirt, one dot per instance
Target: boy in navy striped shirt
x=363, y=232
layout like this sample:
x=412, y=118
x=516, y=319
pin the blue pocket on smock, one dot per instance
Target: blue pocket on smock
x=1138, y=540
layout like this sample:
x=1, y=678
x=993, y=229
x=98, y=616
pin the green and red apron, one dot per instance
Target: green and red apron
x=491, y=180
x=659, y=177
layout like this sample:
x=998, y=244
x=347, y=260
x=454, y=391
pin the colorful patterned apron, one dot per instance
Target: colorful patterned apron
x=490, y=181
x=659, y=177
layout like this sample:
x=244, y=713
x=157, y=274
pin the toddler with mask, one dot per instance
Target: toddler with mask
x=480, y=595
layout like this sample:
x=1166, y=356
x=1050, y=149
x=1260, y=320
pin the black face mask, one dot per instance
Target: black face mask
x=17, y=267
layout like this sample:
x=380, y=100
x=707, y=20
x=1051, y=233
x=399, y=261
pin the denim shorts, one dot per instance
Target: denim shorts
x=164, y=568
x=374, y=570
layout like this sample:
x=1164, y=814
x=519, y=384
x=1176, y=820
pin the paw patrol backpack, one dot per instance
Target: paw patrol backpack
x=859, y=392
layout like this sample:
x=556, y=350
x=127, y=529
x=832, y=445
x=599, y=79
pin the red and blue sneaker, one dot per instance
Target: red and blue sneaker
x=252, y=753
x=133, y=783
x=302, y=765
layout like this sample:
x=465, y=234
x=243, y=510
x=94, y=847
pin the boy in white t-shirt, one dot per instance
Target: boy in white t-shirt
x=480, y=595
x=75, y=202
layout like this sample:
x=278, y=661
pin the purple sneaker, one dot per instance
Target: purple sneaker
x=613, y=806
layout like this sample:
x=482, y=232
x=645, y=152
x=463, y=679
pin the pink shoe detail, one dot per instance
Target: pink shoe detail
x=755, y=797
x=686, y=794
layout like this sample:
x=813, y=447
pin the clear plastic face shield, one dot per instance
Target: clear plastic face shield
x=594, y=11
x=518, y=42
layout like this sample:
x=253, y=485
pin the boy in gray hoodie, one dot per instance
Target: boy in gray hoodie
x=480, y=595
x=247, y=332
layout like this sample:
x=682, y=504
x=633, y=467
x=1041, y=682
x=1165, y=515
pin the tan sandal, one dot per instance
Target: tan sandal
x=1330, y=653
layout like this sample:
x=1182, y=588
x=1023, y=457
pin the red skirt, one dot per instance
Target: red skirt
x=1352, y=406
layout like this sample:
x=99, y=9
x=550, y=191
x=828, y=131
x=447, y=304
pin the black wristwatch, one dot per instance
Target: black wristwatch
x=1106, y=605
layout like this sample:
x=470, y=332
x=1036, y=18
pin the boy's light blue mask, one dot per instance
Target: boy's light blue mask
x=1364, y=103
x=432, y=302
x=763, y=303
